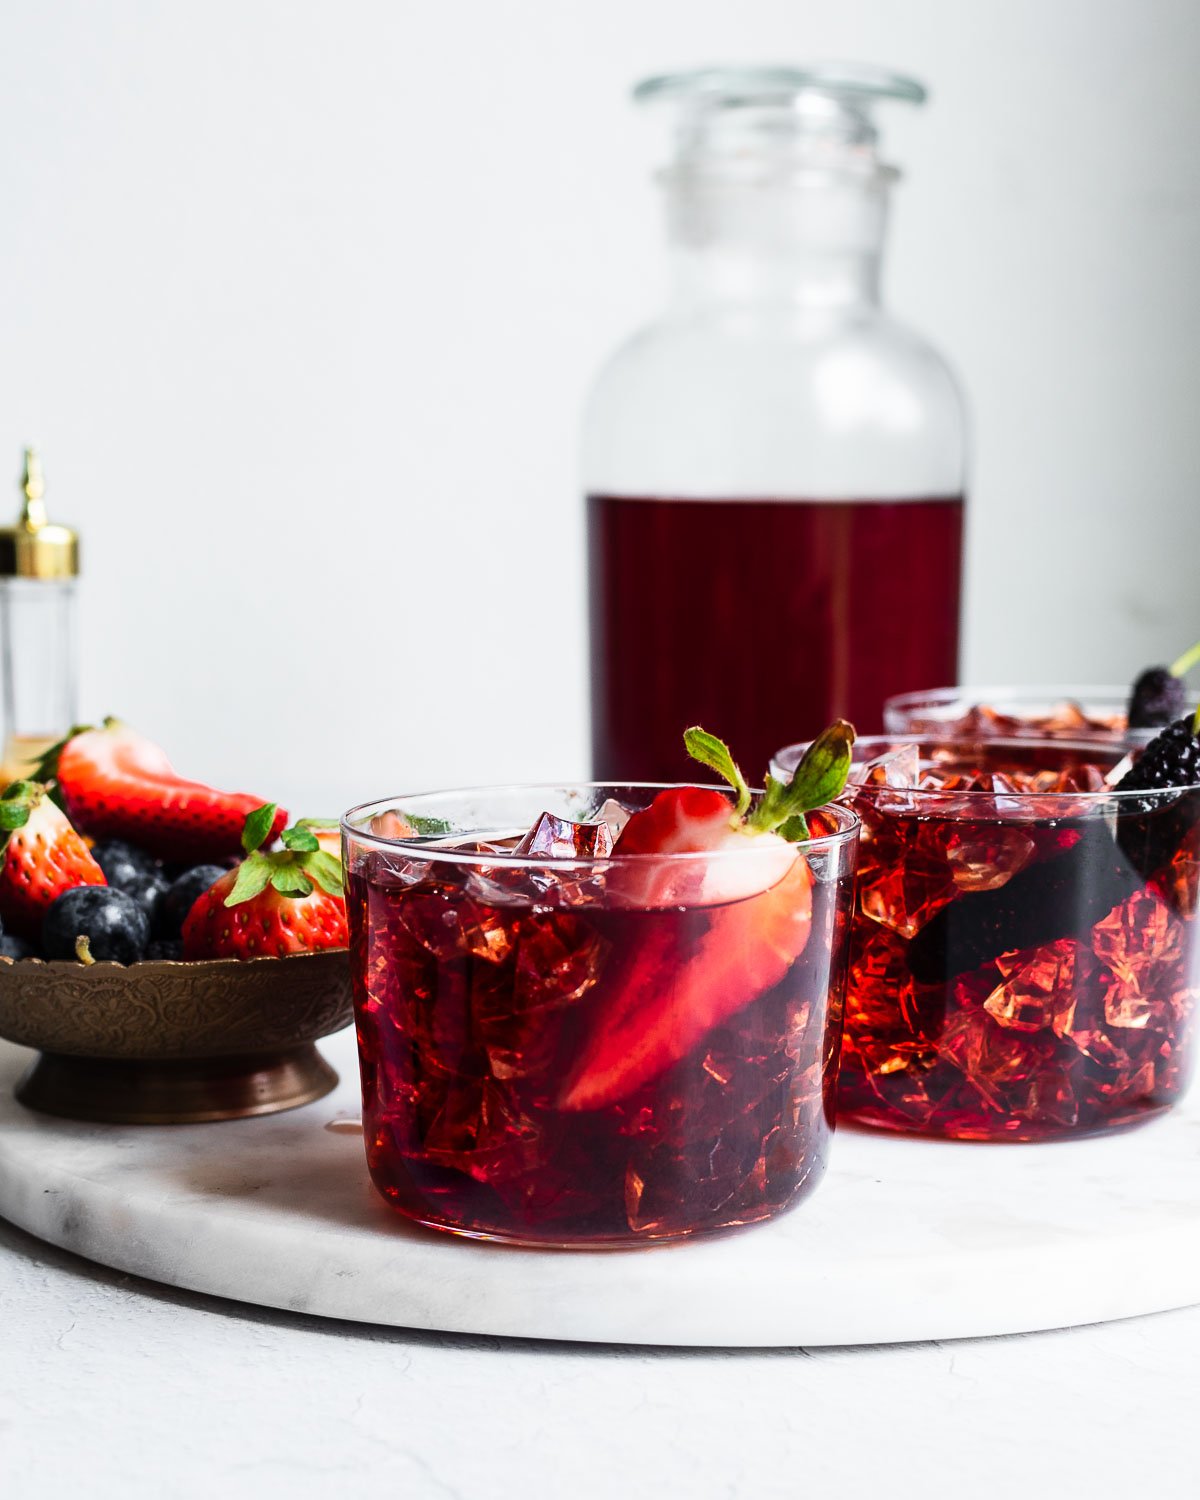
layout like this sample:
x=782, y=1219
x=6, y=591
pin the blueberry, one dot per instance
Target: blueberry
x=132, y=870
x=114, y=924
x=148, y=891
x=14, y=947
x=170, y=949
x=182, y=894
x=125, y=867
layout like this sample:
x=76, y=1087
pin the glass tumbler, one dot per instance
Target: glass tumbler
x=1024, y=962
x=597, y=1051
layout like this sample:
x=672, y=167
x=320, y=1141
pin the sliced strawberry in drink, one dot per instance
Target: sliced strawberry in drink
x=662, y=1008
x=115, y=783
x=681, y=820
x=662, y=1002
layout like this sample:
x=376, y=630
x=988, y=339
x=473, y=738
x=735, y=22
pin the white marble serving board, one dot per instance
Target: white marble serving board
x=904, y=1240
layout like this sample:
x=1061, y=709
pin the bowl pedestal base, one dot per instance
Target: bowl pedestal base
x=180, y=1091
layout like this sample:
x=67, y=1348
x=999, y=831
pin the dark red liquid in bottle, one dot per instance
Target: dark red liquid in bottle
x=763, y=620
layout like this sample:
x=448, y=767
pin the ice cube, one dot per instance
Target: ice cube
x=900, y=768
x=1141, y=943
x=907, y=884
x=985, y=856
x=552, y=837
x=616, y=816
x=1038, y=988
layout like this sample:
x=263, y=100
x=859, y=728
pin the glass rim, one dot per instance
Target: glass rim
x=425, y=847
x=769, y=83
x=1125, y=744
x=979, y=695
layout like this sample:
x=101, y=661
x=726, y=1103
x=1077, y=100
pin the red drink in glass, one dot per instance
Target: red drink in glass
x=763, y=616
x=1025, y=963
x=508, y=1095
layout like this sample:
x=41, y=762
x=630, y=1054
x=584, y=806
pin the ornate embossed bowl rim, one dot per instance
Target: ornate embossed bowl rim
x=163, y=1042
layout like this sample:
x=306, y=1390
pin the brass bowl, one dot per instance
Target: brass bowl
x=175, y=1043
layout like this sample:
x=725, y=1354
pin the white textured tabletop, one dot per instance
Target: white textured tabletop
x=111, y=1386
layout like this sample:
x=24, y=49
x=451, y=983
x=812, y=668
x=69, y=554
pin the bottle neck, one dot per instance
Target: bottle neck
x=813, y=245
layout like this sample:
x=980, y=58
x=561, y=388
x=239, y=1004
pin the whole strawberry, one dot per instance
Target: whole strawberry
x=43, y=857
x=274, y=903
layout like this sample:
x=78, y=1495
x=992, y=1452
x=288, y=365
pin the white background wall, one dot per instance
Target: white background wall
x=300, y=301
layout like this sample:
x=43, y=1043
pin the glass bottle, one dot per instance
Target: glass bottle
x=775, y=467
x=39, y=572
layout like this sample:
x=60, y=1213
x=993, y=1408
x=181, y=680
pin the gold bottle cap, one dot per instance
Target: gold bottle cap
x=34, y=547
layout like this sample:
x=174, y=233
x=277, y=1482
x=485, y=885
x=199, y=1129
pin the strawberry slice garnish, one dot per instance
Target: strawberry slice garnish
x=274, y=903
x=116, y=784
x=663, y=1001
x=43, y=857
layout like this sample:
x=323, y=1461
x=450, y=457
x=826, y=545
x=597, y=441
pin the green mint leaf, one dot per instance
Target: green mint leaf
x=290, y=880
x=819, y=778
x=254, y=875
x=322, y=823
x=424, y=827
x=258, y=825
x=299, y=839
x=714, y=753
x=795, y=829
x=325, y=869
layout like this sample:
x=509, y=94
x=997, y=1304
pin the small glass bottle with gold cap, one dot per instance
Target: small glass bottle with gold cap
x=39, y=574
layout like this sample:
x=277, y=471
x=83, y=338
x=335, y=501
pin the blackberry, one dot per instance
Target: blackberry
x=1151, y=829
x=1171, y=759
x=1158, y=698
x=114, y=924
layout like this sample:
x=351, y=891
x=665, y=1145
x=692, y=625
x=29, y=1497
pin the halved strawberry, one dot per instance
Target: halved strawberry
x=272, y=904
x=114, y=783
x=43, y=856
x=664, y=1002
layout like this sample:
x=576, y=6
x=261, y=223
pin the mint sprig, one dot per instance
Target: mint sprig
x=818, y=779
